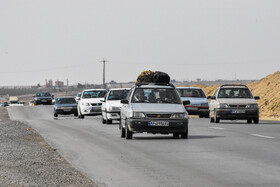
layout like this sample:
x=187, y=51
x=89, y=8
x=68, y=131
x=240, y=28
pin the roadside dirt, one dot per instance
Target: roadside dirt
x=27, y=160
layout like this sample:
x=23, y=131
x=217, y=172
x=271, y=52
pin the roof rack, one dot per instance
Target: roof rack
x=233, y=85
x=152, y=83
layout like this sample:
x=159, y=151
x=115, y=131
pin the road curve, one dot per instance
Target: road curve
x=231, y=153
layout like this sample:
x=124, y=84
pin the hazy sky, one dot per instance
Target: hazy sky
x=189, y=39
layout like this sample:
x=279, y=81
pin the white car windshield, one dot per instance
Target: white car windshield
x=117, y=94
x=94, y=94
x=235, y=93
x=156, y=95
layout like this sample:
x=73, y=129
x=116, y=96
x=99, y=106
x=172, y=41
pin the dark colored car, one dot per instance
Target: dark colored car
x=44, y=98
x=65, y=106
x=4, y=104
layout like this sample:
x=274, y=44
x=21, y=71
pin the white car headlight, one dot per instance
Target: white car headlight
x=179, y=115
x=139, y=115
x=86, y=104
x=114, y=108
x=252, y=106
x=223, y=105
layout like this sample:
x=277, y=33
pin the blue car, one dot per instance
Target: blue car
x=198, y=102
x=65, y=106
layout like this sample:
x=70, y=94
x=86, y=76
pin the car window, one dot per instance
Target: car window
x=156, y=95
x=117, y=94
x=43, y=94
x=191, y=92
x=235, y=93
x=65, y=101
x=94, y=94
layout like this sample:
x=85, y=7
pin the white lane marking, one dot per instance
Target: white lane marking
x=262, y=136
x=217, y=128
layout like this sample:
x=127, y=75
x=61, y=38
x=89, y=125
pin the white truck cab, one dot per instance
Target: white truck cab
x=14, y=101
x=90, y=102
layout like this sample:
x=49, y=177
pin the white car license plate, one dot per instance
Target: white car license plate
x=44, y=100
x=66, y=110
x=96, y=109
x=159, y=123
x=238, y=111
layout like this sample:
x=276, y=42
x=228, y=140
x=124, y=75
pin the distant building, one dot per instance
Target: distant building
x=49, y=84
x=59, y=83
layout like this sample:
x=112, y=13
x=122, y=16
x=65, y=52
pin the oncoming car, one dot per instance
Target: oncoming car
x=44, y=98
x=90, y=102
x=198, y=101
x=153, y=108
x=111, y=106
x=65, y=106
x=234, y=102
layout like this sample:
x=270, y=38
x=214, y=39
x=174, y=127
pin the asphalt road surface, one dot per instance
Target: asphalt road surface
x=231, y=153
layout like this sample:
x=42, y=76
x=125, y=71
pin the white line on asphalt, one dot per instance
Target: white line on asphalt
x=217, y=128
x=262, y=136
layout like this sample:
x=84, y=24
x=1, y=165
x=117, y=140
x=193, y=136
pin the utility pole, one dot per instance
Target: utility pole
x=104, y=61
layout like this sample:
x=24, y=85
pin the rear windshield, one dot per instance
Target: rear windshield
x=235, y=93
x=156, y=95
x=191, y=92
x=94, y=94
x=65, y=101
x=43, y=94
x=117, y=94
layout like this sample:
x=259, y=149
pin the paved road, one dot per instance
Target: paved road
x=231, y=153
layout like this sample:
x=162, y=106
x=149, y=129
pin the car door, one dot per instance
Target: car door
x=80, y=101
x=126, y=108
x=104, y=105
x=213, y=103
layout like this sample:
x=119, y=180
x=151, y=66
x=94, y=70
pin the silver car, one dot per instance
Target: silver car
x=233, y=102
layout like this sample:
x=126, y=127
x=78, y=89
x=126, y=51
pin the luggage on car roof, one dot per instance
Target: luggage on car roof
x=145, y=76
x=161, y=77
x=153, y=77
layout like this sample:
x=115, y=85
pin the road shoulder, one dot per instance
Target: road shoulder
x=27, y=160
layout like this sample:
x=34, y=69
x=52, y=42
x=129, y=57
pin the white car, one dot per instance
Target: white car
x=89, y=104
x=234, y=102
x=154, y=108
x=111, y=106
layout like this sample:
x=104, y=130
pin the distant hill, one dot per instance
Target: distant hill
x=268, y=89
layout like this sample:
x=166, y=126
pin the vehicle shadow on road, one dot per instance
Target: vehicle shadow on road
x=171, y=137
x=203, y=137
x=243, y=123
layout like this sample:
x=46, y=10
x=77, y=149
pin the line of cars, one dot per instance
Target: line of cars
x=159, y=107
